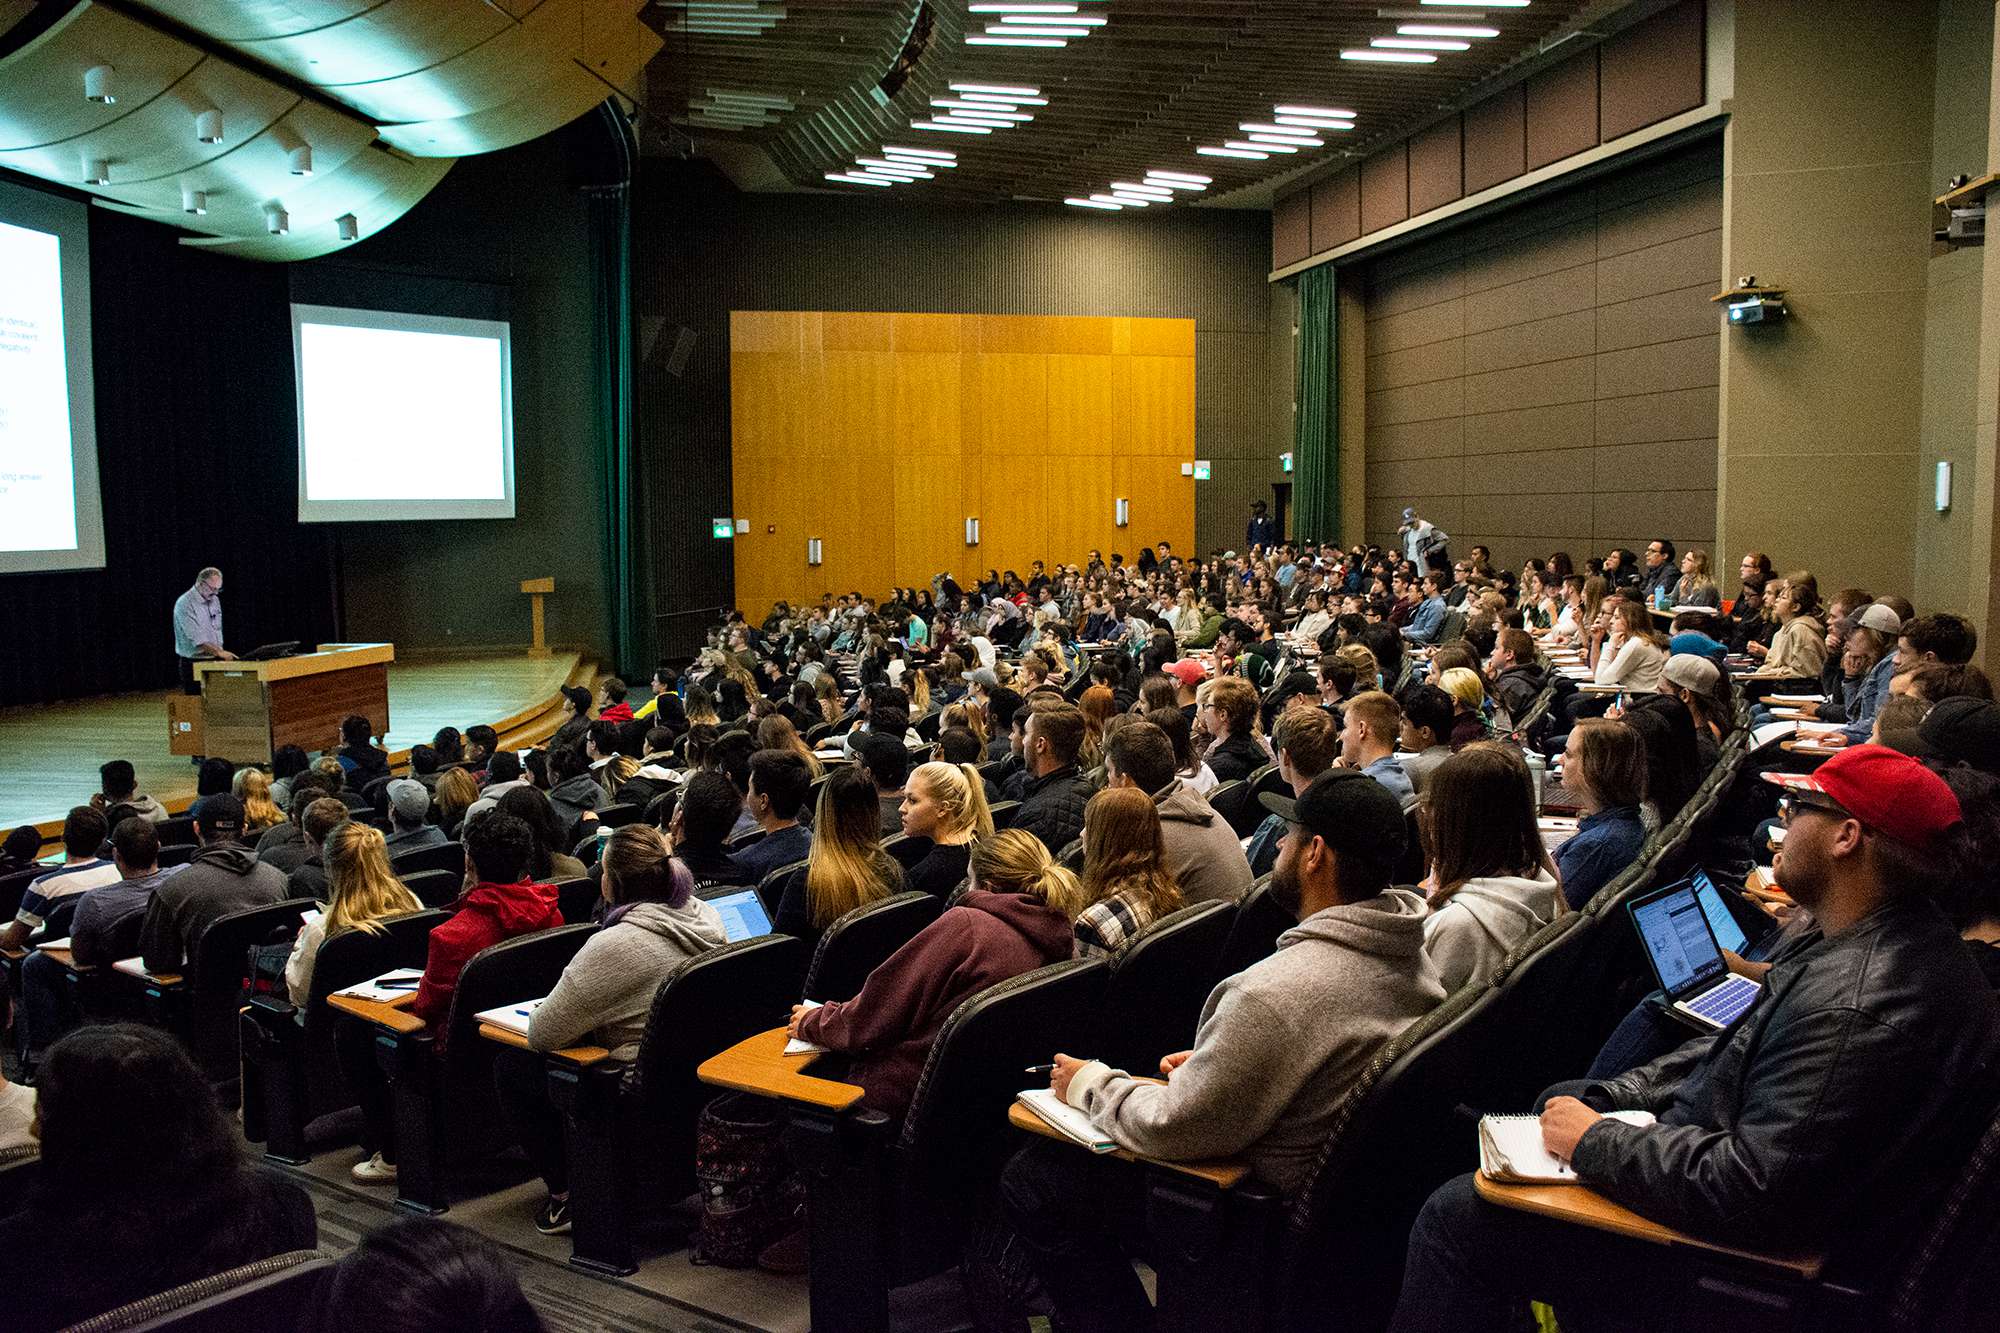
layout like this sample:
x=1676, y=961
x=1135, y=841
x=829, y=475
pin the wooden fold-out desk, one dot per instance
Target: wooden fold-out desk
x=249, y=709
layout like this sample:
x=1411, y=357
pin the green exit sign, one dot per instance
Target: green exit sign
x=1286, y=459
x=722, y=529
x=1201, y=469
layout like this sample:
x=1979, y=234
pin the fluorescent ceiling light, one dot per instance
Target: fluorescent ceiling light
x=1133, y=200
x=1305, y=142
x=1420, y=44
x=1445, y=30
x=1389, y=57
x=1229, y=152
x=1331, y=112
x=934, y=154
x=1189, y=186
x=980, y=109
x=1314, y=122
x=1131, y=187
x=1180, y=176
x=1479, y=4
x=1290, y=131
x=887, y=165
x=1113, y=199
x=858, y=180
x=995, y=88
x=1259, y=146
x=960, y=118
x=954, y=129
x=1071, y=21
x=1092, y=203
x=987, y=8
x=1040, y=32
x=1009, y=101
x=1015, y=41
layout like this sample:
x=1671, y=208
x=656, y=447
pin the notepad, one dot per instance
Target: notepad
x=513, y=1017
x=1065, y=1119
x=389, y=986
x=1510, y=1148
x=1771, y=733
x=798, y=1047
x=62, y=943
x=132, y=967
x=1795, y=698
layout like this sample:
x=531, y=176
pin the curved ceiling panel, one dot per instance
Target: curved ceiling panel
x=41, y=85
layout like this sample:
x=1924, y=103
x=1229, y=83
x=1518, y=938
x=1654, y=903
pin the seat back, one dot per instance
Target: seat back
x=177, y=832
x=270, y=1293
x=525, y=967
x=444, y=856
x=435, y=888
x=771, y=889
x=1158, y=985
x=619, y=813
x=1415, y=864
x=215, y=976
x=14, y=886
x=179, y=854
x=1253, y=933
x=1003, y=813
x=907, y=850
x=577, y=899
x=1234, y=801
x=746, y=839
x=862, y=941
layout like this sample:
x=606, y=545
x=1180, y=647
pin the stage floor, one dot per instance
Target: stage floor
x=49, y=754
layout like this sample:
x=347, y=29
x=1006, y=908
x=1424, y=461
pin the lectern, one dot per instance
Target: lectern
x=249, y=709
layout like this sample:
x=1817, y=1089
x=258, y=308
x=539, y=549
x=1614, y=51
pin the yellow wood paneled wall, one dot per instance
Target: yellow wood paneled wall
x=880, y=434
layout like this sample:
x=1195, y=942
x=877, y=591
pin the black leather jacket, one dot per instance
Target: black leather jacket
x=1818, y=1110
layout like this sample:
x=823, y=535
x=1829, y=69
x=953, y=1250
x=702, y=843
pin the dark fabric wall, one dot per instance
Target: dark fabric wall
x=196, y=427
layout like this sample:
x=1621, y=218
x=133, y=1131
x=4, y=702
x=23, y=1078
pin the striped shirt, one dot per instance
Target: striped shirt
x=44, y=891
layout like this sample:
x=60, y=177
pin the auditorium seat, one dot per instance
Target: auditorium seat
x=577, y=899
x=1003, y=813
x=177, y=832
x=1157, y=986
x=748, y=838
x=862, y=941
x=907, y=850
x=201, y=1007
x=271, y=1293
x=179, y=854
x=445, y=1107
x=771, y=888
x=630, y=1129
x=1237, y=803
x=890, y=1203
x=290, y=1075
x=20, y=1172
x=14, y=886
x=435, y=888
x=443, y=856
x=1253, y=934
x=618, y=814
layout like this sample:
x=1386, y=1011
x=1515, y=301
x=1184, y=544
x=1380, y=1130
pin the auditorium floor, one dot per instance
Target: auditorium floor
x=667, y=1293
x=49, y=753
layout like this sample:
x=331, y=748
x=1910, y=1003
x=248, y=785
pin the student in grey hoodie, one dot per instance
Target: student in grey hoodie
x=1493, y=883
x=1202, y=851
x=573, y=788
x=1280, y=1044
x=224, y=877
x=655, y=924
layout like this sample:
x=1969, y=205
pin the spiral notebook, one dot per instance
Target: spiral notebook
x=1065, y=1119
x=1510, y=1149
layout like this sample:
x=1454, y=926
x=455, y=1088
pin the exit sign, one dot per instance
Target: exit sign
x=1201, y=469
x=722, y=529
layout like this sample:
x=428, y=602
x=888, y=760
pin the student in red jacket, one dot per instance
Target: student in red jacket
x=1015, y=917
x=500, y=904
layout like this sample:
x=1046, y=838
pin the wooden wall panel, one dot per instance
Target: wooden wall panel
x=1336, y=210
x=1291, y=228
x=1437, y=175
x=1495, y=140
x=1385, y=188
x=880, y=434
x=1651, y=70
x=1562, y=110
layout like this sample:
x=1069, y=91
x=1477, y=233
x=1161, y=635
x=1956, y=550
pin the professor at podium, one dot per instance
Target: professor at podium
x=198, y=627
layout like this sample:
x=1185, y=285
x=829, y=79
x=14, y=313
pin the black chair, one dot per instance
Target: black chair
x=629, y=1129
x=202, y=1008
x=1003, y=813
x=20, y=1172
x=270, y=1293
x=747, y=838
x=177, y=832
x=1238, y=805
x=1253, y=935
x=771, y=889
x=1414, y=864
x=619, y=813
x=14, y=886
x=927, y=726
x=290, y=1074
x=907, y=850
x=1158, y=985
x=435, y=888
x=443, y=856
x=819, y=731
x=577, y=899
x=445, y=1106
x=179, y=854
x=1071, y=857
x=862, y=941
x=888, y=1203
x=992, y=770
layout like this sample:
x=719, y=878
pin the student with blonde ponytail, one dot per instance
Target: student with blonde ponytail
x=361, y=893
x=947, y=804
x=1014, y=917
x=655, y=923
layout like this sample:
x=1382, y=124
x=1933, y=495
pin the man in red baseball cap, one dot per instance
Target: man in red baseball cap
x=1807, y=1125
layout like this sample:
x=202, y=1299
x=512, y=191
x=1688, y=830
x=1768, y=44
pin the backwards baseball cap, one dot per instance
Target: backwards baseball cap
x=1962, y=730
x=1890, y=793
x=983, y=676
x=408, y=799
x=1691, y=672
x=1409, y=514
x=221, y=815
x=1878, y=617
x=1348, y=810
x=1187, y=671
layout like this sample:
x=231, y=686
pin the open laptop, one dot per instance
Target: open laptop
x=1680, y=944
x=743, y=914
x=270, y=652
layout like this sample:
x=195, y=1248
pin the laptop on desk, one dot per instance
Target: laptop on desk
x=742, y=912
x=1680, y=945
x=270, y=652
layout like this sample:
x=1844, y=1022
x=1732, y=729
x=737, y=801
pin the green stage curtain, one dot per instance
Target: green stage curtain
x=611, y=357
x=1316, y=425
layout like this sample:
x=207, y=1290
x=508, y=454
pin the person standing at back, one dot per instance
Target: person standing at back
x=1262, y=530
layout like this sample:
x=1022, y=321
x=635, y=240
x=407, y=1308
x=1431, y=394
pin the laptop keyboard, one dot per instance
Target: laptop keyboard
x=1724, y=1003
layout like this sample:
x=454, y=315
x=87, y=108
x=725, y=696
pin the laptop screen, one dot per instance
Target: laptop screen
x=1677, y=939
x=743, y=915
x=1727, y=933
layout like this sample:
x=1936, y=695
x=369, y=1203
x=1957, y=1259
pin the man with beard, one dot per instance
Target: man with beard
x=1813, y=1121
x=1279, y=1045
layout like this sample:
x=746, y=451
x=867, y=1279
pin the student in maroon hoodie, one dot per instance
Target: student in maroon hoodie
x=1014, y=917
x=500, y=904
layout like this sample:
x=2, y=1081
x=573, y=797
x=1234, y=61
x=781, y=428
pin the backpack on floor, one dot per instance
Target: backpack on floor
x=750, y=1195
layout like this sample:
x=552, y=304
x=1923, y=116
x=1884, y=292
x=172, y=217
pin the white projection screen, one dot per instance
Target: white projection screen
x=402, y=416
x=50, y=512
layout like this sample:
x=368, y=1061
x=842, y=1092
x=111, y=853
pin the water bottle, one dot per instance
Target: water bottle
x=1660, y=597
x=1537, y=766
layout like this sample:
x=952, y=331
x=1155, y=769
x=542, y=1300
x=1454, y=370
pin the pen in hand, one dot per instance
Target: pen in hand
x=1039, y=1069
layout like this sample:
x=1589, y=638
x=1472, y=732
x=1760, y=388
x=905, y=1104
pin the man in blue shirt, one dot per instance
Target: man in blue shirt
x=779, y=784
x=198, y=626
x=1428, y=621
x=1880, y=625
x=1368, y=742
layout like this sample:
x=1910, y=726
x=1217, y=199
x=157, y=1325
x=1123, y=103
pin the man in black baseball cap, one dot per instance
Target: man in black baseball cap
x=224, y=877
x=1959, y=730
x=1279, y=1047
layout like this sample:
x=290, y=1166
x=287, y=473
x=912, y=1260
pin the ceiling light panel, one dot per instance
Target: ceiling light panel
x=1389, y=57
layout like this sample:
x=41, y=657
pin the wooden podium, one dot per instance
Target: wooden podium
x=249, y=709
